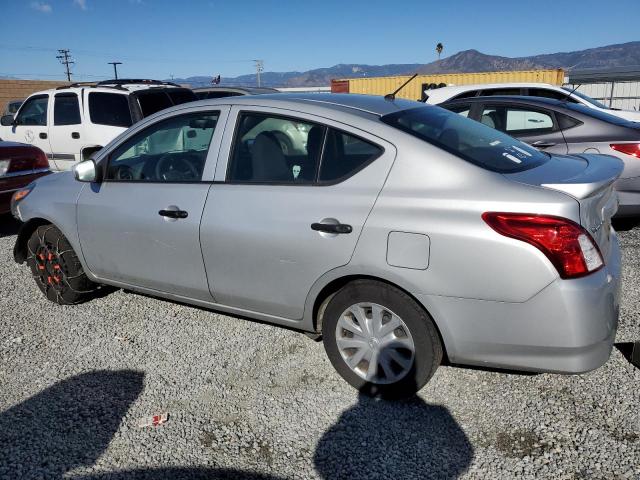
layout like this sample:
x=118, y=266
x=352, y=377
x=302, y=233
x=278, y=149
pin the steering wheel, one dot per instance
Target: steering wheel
x=124, y=172
x=170, y=167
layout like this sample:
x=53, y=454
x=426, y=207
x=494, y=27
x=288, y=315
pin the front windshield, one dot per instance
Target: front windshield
x=467, y=139
x=586, y=98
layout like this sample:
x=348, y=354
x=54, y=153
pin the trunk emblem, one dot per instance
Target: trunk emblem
x=595, y=228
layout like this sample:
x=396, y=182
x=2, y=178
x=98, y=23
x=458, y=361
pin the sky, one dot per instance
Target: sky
x=161, y=38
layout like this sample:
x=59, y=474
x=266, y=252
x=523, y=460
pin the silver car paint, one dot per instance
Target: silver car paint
x=476, y=279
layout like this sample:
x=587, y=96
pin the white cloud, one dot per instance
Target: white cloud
x=41, y=7
x=81, y=3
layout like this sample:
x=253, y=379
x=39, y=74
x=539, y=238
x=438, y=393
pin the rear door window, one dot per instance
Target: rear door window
x=152, y=102
x=109, y=109
x=467, y=139
x=500, y=91
x=275, y=149
x=517, y=120
x=66, y=110
x=459, y=109
x=546, y=93
x=34, y=111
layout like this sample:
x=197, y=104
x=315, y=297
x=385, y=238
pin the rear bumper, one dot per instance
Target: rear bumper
x=628, y=197
x=568, y=327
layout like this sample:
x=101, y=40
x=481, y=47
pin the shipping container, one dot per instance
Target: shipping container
x=415, y=89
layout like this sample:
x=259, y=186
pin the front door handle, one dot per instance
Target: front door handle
x=43, y=135
x=542, y=144
x=173, y=213
x=331, y=227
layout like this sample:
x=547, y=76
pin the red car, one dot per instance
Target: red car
x=20, y=164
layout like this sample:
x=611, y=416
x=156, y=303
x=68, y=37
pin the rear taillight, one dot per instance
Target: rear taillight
x=565, y=243
x=41, y=160
x=632, y=149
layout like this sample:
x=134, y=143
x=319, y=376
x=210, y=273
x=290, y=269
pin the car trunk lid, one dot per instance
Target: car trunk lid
x=589, y=179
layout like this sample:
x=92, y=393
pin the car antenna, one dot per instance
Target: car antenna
x=568, y=95
x=392, y=96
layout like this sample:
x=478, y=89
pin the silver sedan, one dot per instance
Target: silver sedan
x=401, y=233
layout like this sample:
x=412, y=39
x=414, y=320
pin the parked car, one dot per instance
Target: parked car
x=20, y=164
x=204, y=93
x=12, y=107
x=70, y=123
x=543, y=90
x=561, y=127
x=402, y=233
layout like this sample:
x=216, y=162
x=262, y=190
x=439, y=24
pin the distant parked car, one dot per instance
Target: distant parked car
x=12, y=107
x=72, y=122
x=399, y=232
x=204, y=93
x=20, y=164
x=562, y=127
x=544, y=90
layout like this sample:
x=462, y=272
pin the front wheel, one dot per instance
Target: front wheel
x=56, y=267
x=380, y=340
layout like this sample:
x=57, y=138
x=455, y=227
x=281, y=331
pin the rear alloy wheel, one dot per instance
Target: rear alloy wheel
x=56, y=267
x=380, y=340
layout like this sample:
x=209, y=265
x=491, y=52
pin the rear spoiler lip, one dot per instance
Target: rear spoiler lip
x=597, y=168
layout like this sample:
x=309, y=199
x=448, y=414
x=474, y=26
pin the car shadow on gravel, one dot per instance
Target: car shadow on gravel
x=8, y=225
x=394, y=439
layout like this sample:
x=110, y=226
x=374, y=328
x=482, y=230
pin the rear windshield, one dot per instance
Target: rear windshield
x=109, y=109
x=600, y=115
x=154, y=100
x=468, y=139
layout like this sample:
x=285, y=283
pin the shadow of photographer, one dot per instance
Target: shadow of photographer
x=70, y=424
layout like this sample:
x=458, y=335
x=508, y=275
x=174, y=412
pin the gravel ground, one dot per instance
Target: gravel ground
x=253, y=401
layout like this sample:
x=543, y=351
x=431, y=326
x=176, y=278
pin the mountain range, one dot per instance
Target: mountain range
x=610, y=56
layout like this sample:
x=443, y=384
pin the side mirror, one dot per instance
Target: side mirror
x=86, y=171
x=6, y=120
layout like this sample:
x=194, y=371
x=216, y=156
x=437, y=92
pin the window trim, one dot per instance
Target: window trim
x=105, y=162
x=316, y=182
x=34, y=97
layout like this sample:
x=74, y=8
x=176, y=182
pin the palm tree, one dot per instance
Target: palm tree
x=439, y=48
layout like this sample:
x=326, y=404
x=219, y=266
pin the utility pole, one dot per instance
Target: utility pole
x=115, y=67
x=65, y=59
x=259, y=69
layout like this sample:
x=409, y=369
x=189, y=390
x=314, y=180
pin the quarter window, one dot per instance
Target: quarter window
x=344, y=154
x=172, y=150
x=66, y=110
x=545, y=93
x=109, y=109
x=34, y=112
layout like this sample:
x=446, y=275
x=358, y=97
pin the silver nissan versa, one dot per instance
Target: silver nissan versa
x=401, y=233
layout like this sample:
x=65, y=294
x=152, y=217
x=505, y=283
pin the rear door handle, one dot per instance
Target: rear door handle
x=542, y=144
x=173, y=213
x=75, y=135
x=43, y=135
x=332, y=227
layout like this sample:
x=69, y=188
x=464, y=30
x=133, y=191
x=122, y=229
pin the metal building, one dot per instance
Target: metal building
x=615, y=87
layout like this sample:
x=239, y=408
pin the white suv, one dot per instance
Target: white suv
x=72, y=122
x=439, y=95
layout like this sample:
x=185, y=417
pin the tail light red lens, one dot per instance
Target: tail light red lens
x=632, y=149
x=565, y=243
x=41, y=160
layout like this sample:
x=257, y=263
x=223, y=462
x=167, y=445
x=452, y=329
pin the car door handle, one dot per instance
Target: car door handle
x=75, y=135
x=331, y=227
x=43, y=135
x=542, y=144
x=173, y=213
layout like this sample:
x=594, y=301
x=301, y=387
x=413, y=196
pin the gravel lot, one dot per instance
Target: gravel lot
x=249, y=400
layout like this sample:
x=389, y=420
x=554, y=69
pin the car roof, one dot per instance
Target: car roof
x=231, y=88
x=510, y=99
x=480, y=86
x=371, y=104
x=106, y=86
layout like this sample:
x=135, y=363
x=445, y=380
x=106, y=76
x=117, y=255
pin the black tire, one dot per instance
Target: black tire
x=428, y=348
x=56, y=268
